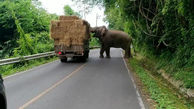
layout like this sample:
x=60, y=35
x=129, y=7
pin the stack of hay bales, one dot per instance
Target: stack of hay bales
x=69, y=30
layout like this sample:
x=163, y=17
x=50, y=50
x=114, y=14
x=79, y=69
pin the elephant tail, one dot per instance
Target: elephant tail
x=132, y=47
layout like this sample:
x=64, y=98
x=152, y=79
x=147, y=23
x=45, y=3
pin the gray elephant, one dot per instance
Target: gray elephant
x=112, y=38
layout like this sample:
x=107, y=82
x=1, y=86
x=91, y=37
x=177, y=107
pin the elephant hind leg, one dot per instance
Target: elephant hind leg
x=126, y=55
x=128, y=52
x=101, y=52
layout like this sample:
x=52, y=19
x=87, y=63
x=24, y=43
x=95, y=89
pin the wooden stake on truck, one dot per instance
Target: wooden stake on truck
x=71, y=37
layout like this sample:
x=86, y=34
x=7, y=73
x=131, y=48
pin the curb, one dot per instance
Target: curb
x=189, y=93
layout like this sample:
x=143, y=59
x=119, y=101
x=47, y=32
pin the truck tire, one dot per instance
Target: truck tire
x=64, y=59
x=86, y=54
x=81, y=58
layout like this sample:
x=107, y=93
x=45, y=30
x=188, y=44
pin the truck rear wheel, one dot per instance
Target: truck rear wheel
x=81, y=58
x=86, y=54
x=64, y=59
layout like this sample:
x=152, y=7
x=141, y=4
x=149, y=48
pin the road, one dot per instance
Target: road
x=95, y=84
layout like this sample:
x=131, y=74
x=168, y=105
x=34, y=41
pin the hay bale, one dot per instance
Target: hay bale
x=68, y=18
x=70, y=30
x=56, y=41
x=66, y=23
x=57, y=32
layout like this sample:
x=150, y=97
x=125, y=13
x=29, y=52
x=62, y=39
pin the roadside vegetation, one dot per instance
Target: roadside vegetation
x=24, y=28
x=11, y=69
x=157, y=87
x=94, y=42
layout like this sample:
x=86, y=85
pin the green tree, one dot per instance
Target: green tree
x=69, y=12
x=21, y=24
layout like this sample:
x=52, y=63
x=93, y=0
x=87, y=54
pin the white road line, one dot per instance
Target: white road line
x=134, y=85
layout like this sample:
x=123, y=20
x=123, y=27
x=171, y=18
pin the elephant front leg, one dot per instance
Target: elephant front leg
x=101, y=52
x=108, y=52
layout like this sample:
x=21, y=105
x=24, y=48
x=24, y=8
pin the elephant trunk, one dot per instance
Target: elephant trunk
x=92, y=29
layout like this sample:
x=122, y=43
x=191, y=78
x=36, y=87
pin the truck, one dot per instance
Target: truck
x=71, y=37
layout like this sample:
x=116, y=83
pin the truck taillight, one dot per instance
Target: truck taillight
x=59, y=53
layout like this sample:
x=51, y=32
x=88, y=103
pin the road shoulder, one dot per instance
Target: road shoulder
x=147, y=101
x=156, y=88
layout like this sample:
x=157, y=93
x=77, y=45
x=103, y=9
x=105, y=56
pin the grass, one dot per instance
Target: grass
x=158, y=89
x=184, y=74
x=170, y=66
x=186, y=77
x=10, y=69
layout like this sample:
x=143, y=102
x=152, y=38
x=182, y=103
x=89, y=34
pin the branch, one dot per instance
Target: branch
x=165, y=43
x=148, y=10
x=143, y=13
x=152, y=35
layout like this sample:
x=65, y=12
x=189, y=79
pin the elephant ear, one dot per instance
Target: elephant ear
x=103, y=31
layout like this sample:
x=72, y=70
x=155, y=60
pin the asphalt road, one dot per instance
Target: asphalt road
x=95, y=84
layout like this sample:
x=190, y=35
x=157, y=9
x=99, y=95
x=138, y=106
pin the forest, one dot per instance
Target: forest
x=162, y=30
x=24, y=28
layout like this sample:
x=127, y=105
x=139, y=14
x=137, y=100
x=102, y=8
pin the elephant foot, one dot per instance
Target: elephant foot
x=101, y=57
x=108, y=57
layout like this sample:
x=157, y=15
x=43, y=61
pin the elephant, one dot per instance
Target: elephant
x=112, y=38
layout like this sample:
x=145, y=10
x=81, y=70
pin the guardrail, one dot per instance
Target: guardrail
x=30, y=57
x=25, y=58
